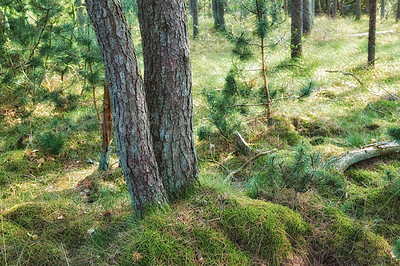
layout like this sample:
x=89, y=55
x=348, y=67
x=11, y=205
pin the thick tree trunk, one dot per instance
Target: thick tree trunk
x=296, y=28
x=195, y=16
x=372, y=32
x=382, y=9
x=358, y=9
x=168, y=85
x=131, y=124
x=104, y=163
x=307, y=16
x=344, y=161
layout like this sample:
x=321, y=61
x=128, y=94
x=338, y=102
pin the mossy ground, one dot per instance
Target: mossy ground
x=350, y=218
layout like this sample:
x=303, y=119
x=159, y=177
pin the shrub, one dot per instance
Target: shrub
x=51, y=143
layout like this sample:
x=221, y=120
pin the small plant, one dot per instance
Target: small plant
x=51, y=143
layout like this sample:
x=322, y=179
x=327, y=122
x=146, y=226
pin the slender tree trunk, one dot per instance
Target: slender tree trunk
x=334, y=8
x=131, y=124
x=195, y=16
x=372, y=32
x=285, y=7
x=221, y=13
x=215, y=13
x=307, y=16
x=168, y=84
x=382, y=9
x=328, y=8
x=398, y=11
x=106, y=128
x=296, y=28
x=358, y=9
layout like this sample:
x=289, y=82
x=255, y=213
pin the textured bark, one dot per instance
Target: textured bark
x=342, y=162
x=307, y=16
x=296, y=28
x=104, y=163
x=358, y=9
x=168, y=85
x=372, y=32
x=241, y=144
x=195, y=15
x=131, y=124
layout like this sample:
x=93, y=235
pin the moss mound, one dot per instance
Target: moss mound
x=272, y=232
x=354, y=244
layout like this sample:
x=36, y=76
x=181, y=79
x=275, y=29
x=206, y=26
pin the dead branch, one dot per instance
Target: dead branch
x=241, y=144
x=346, y=74
x=342, y=162
x=232, y=173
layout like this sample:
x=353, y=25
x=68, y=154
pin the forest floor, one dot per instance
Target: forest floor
x=280, y=209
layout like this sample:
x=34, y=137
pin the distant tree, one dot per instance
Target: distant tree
x=382, y=9
x=372, y=32
x=398, y=11
x=218, y=9
x=334, y=8
x=296, y=28
x=168, y=86
x=132, y=127
x=194, y=7
x=307, y=16
x=358, y=9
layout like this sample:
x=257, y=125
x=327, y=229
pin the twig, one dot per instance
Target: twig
x=231, y=174
x=346, y=74
x=34, y=178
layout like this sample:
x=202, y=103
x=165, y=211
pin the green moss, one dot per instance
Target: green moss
x=30, y=216
x=355, y=244
x=271, y=231
x=364, y=177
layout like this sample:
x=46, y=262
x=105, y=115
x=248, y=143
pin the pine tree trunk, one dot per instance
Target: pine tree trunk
x=168, y=85
x=358, y=9
x=372, y=32
x=215, y=13
x=285, y=7
x=131, y=125
x=296, y=28
x=382, y=9
x=307, y=16
x=328, y=8
x=195, y=16
x=334, y=8
x=104, y=163
x=221, y=13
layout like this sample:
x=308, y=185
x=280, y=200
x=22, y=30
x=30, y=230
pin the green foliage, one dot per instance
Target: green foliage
x=52, y=143
x=394, y=132
x=396, y=250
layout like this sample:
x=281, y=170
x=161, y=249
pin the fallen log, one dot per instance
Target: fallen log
x=342, y=162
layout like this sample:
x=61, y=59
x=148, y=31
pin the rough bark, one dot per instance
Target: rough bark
x=131, y=124
x=104, y=163
x=358, y=9
x=307, y=16
x=195, y=16
x=342, y=162
x=372, y=32
x=168, y=85
x=296, y=28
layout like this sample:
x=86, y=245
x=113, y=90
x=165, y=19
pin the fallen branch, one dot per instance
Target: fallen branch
x=232, y=173
x=346, y=74
x=342, y=162
x=377, y=33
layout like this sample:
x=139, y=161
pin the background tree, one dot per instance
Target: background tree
x=194, y=7
x=372, y=32
x=218, y=10
x=132, y=128
x=358, y=9
x=398, y=11
x=168, y=85
x=307, y=16
x=382, y=9
x=296, y=28
x=334, y=8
